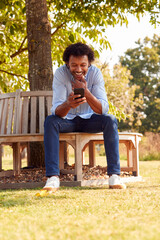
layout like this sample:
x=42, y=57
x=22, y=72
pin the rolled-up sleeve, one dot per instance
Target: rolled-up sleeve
x=59, y=90
x=98, y=90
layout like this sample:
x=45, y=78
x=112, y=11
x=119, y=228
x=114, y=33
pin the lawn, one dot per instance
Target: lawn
x=85, y=213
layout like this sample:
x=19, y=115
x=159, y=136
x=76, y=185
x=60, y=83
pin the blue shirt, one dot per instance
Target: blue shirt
x=62, y=87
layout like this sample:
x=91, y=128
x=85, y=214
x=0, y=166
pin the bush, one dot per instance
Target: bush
x=149, y=147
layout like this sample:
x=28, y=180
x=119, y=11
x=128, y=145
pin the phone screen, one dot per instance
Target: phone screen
x=79, y=91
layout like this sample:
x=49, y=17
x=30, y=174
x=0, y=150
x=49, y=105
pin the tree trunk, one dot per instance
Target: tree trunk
x=39, y=45
x=40, y=63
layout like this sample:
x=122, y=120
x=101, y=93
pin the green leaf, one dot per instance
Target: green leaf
x=12, y=30
x=71, y=38
x=18, y=3
x=24, y=10
x=2, y=5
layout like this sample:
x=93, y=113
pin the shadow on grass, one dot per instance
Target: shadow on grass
x=10, y=198
x=13, y=203
x=14, y=198
x=26, y=197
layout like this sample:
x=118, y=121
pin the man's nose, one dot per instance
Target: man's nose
x=78, y=68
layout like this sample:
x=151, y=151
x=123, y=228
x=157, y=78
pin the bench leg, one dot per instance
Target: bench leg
x=135, y=162
x=135, y=155
x=92, y=158
x=129, y=147
x=61, y=155
x=66, y=152
x=28, y=154
x=16, y=158
x=78, y=159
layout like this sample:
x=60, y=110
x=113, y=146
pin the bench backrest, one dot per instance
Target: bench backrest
x=24, y=112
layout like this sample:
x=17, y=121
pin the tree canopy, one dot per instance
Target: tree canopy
x=71, y=21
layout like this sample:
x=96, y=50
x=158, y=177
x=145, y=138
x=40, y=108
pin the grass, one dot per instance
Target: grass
x=85, y=213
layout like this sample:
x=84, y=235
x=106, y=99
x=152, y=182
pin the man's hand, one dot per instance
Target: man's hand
x=79, y=83
x=93, y=102
x=73, y=102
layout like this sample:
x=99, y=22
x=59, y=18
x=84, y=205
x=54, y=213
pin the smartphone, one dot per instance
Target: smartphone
x=79, y=91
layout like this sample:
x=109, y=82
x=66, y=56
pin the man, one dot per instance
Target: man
x=86, y=114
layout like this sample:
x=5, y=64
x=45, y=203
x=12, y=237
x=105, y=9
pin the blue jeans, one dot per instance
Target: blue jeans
x=97, y=123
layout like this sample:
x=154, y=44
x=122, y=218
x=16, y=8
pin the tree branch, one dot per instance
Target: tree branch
x=58, y=28
x=20, y=48
x=23, y=42
x=18, y=52
x=13, y=74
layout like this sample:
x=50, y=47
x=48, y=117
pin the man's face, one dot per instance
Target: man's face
x=78, y=66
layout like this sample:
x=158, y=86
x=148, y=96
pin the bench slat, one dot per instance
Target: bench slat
x=7, y=95
x=33, y=114
x=41, y=114
x=10, y=116
x=25, y=115
x=4, y=119
x=49, y=105
x=36, y=93
x=1, y=110
x=17, y=113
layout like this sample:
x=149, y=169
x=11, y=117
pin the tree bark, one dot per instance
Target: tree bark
x=39, y=45
x=40, y=63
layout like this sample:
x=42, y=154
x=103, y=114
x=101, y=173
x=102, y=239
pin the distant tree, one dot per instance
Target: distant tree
x=144, y=64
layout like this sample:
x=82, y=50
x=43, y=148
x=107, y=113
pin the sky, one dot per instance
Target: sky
x=122, y=38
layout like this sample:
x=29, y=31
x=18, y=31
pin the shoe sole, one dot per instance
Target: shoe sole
x=117, y=186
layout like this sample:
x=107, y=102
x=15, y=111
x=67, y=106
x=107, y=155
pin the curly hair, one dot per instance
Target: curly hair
x=78, y=49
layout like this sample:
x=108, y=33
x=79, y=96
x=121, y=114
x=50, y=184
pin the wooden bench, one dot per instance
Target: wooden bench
x=19, y=112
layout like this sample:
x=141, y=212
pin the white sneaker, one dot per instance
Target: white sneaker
x=115, y=182
x=52, y=184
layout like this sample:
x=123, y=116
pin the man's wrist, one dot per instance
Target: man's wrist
x=87, y=92
x=67, y=105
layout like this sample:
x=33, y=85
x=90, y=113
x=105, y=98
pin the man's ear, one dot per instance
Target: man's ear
x=67, y=64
